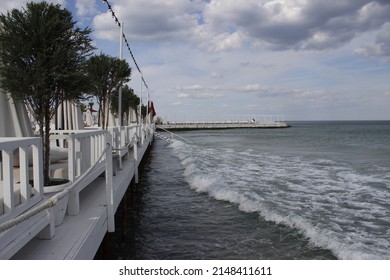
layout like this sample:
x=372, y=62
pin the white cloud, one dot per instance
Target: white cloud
x=380, y=48
x=194, y=87
x=207, y=95
x=104, y=27
x=86, y=7
x=225, y=25
x=183, y=95
x=18, y=4
x=200, y=92
x=226, y=41
x=290, y=57
x=254, y=106
x=151, y=20
x=216, y=75
x=176, y=103
x=295, y=24
x=252, y=87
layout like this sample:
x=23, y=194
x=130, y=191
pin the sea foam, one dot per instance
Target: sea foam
x=319, y=198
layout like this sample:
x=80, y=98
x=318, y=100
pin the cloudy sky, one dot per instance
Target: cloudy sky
x=304, y=59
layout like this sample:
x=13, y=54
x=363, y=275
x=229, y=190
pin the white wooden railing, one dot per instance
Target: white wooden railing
x=84, y=149
x=28, y=194
x=129, y=135
x=123, y=138
x=16, y=197
x=88, y=156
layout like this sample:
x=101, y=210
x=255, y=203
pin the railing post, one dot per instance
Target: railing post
x=71, y=158
x=109, y=186
x=25, y=190
x=74, y=201
x=9, y=202
x=135, y=147
x=126, y=140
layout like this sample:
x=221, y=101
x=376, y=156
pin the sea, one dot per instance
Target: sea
x=316, y=190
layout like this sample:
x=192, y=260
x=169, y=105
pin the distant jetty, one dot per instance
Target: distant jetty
x=221, y=125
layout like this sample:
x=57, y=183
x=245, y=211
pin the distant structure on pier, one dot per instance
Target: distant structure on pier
x=258, y=121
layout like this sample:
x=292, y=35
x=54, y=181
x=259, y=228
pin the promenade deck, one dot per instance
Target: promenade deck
x=79, y=236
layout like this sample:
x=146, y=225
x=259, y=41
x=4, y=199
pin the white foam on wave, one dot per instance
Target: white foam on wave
x=310, y=194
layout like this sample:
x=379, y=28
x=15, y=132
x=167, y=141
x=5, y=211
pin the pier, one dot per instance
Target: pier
x=252, y=121
x=70, y=223
x=220, y=125
x=228, y=122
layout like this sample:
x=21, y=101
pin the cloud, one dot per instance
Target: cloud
x=199, y=92
x=85, y=7
x=194, y=87
x=218, y=42
x=252, y=87
x=295, y=24
x=150, y=20
x=277, y=56
x=225, y=25
x=176, y=103
x=208, y=95
x=292, y=94
x=381, y=47
x=202, y=95
x=216, y=75
x=7, y=5
x=183, y=95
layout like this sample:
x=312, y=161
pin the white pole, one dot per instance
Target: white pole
x=120, y=87
x=140, y=109
x=147, y=106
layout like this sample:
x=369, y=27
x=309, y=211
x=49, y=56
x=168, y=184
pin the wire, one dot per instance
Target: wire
x=126, y=41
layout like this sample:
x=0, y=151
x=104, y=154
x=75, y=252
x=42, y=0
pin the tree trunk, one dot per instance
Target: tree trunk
x=46, y=147
x=99, y=115
x=103, y=112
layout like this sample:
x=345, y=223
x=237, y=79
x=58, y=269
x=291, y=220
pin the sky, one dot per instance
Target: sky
x=231, y=59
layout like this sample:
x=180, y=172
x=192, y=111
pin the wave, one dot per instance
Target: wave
x=279, y=192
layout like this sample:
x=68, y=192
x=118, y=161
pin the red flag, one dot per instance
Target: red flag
x=151, y=108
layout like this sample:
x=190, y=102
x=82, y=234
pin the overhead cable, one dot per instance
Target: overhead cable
x=126, y=41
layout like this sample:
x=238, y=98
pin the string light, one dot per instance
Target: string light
x=126, y=41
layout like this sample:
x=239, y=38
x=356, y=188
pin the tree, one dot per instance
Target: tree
x=106, y=73
x=143, y=111
x=43, y=56
x=129, y=101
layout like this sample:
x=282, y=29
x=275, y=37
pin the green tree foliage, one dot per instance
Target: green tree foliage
x=143, y=111
x=42, y=61
x=129, y=101
x=106, y=73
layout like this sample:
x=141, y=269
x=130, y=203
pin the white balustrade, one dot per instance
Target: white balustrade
x=84, y=150
x=22, y=158
x=16, y=196
x=83, y=164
